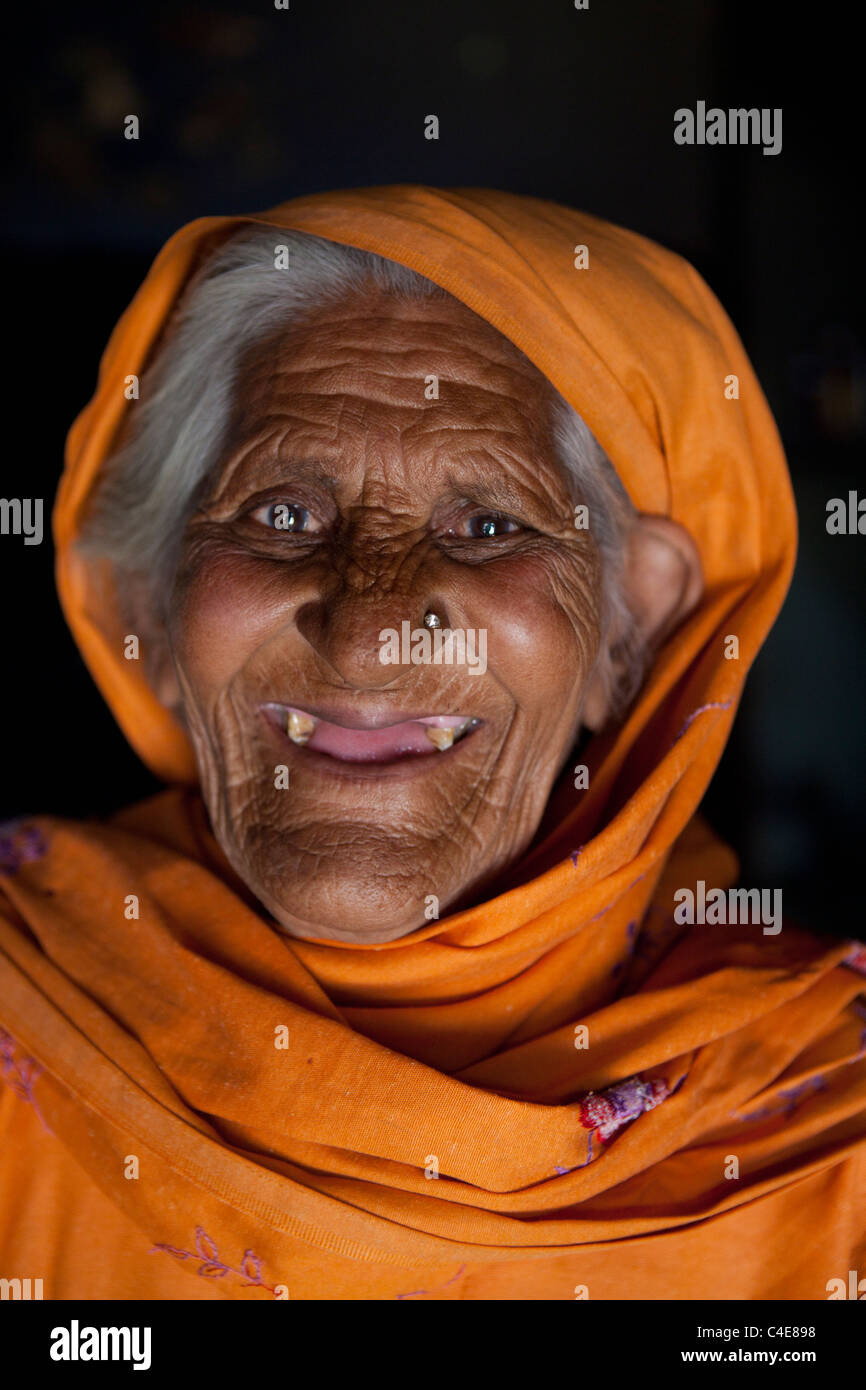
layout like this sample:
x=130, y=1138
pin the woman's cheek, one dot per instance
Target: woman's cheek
x=225, y=609
x=538, y=624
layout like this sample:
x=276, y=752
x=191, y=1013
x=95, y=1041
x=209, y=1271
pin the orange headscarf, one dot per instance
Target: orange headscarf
x=557, y=1093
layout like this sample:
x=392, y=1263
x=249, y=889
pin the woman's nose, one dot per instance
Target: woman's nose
x=351, y=632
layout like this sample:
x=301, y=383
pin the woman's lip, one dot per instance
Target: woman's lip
x=351, y=719
x=364, y=741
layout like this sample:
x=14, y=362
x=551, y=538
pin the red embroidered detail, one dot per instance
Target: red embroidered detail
x=605, y=1112
x=212, y=1267
x=856, y=958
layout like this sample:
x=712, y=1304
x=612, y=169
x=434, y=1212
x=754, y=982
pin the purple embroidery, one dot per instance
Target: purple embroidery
x=20, y=844
x=702, y=709
x=575, y=855
x=589, y=1153
x=649, y=942
x=20, y=1072
x=629, y=943
x=795, y=1094
x=212, y=1267
x=421, y=1293
x=787, y=1101
x=628, y=890
x=605, y=1112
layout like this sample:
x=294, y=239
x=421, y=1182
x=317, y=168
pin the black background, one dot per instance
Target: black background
x=243, y=106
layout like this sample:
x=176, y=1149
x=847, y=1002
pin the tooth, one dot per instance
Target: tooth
x=441, y=738
x=300, y=727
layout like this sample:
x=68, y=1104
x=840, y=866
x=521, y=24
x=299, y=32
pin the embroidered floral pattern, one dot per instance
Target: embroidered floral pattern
x=605, y=1112
x=856, y=957
x=212, y=1267
x=630, y=933
x=702, y=709
x=20, y=843
x=422, y=1293
x=561, y=1169
x=786, y=1102
x=19, y=1071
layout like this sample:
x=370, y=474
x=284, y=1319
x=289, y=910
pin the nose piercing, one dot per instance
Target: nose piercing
x=432, y=619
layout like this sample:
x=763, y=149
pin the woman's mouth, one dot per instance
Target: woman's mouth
x=379, y=743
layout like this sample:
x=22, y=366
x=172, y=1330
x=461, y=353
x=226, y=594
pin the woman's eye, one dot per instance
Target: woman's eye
x=484, y=526
x=283, y=516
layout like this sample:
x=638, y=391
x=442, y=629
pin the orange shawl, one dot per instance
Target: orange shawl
x=702, y=1138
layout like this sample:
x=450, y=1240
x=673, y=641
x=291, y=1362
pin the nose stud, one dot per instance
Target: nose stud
x=432, y=619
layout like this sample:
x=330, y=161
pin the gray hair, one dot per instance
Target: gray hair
x=173, y=442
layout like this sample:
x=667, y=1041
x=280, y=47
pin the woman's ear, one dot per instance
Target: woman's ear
x=663, y=580
x=662, y=583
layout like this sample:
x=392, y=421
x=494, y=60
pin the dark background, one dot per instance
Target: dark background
x=243, y=105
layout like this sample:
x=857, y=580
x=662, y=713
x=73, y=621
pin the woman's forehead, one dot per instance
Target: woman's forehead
x=429, y=378
x=425, y=350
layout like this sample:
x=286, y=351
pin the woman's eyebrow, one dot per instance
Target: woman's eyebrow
x=501, y=494
x=276, y=457
x=283, y=466
x=307, y=470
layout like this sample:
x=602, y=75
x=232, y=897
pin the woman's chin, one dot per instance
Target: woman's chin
x=360, y=909
x=350, y=921
x=361, y=882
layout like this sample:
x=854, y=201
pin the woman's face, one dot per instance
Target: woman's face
x=350, y=500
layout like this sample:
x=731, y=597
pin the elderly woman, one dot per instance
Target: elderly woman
x=421, y=541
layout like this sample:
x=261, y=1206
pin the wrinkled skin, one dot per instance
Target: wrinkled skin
x=332, y=418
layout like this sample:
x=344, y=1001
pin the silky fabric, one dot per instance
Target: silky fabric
x=560, y=1092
